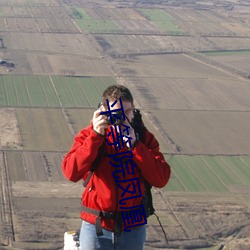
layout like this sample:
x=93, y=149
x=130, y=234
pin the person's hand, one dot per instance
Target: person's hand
x=100, y=122
x=131, y=134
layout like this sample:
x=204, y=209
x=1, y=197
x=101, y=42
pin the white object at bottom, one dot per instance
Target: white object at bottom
x=71, y=240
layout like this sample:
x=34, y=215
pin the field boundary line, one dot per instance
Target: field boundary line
x=216, y=67
x=79, y=29
x=34, y=151
x=7, y=206
x=175, y=148
x=69, y=123
x=43, y=52
x=167, y=153
x=203, y=110
x=142, y=110
x=170, y=154
x=174, y=213
x=54, y=87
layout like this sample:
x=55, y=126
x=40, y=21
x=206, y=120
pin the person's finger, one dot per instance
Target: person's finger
x=96, y=113
x=102, y=108
x=100, y=120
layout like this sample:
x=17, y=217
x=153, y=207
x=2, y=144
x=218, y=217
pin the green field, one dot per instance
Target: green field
x=87, y=23
x=156, y=15
x=79, y=13
x=208, y=173
x=161, y=19
x=93, y=25
x=55, y=91
x=226, y=53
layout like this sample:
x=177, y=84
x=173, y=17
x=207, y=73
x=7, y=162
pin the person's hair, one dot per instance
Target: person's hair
x=114, y=92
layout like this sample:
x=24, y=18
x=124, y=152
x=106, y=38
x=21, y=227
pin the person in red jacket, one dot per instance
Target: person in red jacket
x=113, y=216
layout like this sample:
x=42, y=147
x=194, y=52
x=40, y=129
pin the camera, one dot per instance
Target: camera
x=117, y=118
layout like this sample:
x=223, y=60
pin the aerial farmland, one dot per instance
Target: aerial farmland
x=187, y=64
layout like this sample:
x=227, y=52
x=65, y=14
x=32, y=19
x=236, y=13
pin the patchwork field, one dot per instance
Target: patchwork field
x=51, y=44
x=111, y=20
x=214, y=23
x=35, y=16
x=159, y=83
x=43, y=25
x=168, y=66
x=162, y=20
x=28, y=63
x=54, y=54
x=67, y=52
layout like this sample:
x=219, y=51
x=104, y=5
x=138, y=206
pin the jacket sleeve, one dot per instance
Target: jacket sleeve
x=83, y=152
x=151, y=161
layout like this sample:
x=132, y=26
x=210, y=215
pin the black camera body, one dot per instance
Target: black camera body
x=117, y=118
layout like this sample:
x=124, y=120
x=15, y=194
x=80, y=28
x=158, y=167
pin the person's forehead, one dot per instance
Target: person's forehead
x=126, y=105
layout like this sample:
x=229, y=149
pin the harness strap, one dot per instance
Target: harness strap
x=98, y=227
x=85, y=183
x=100, y=214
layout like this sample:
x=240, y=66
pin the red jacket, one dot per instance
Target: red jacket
x=100, y=192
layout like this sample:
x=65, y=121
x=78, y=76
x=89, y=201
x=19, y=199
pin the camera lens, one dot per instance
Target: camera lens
x=117, y=118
